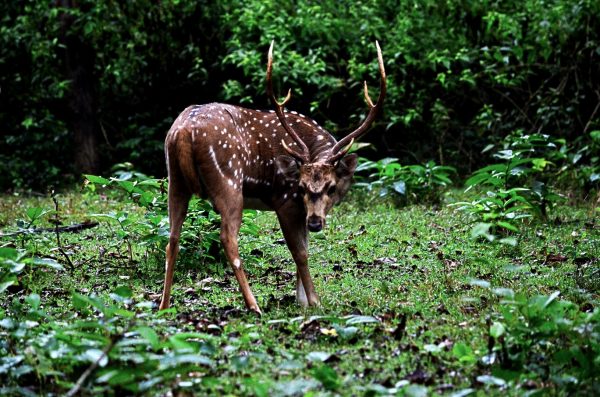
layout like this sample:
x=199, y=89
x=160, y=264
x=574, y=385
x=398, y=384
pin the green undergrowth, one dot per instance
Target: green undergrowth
x=412, y=304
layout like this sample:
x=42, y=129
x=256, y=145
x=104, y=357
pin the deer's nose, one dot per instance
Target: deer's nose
x=314, y=223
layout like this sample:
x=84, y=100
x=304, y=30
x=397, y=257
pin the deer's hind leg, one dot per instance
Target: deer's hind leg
x=179, y=198
x=230, y=204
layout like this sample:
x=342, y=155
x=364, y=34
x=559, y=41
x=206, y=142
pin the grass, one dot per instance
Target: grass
x=408, y=298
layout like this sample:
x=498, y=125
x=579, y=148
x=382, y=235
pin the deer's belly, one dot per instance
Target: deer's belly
x=256, y=204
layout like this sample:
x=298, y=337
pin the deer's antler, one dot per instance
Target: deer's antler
x=304, y=155
x=343, y=145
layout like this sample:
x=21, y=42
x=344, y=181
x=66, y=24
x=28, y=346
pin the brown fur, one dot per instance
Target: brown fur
x=240, y=158
x=234, y=157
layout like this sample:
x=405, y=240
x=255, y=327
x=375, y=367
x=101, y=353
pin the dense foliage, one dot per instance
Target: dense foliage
x=87, y=84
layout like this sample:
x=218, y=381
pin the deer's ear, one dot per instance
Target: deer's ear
x=346, y=166
x=287, y=166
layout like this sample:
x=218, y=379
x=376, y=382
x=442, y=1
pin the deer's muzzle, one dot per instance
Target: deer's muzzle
x=314, y=223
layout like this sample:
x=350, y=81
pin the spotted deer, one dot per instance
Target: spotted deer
x=274, y=160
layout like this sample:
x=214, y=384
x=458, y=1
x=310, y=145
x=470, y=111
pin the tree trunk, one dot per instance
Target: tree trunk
x=79, y=61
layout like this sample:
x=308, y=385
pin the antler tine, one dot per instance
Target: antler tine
x=342, y=146
x=304, y=156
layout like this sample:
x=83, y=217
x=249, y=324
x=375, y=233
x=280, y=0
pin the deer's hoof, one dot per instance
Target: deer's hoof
x=256, y=310
x=306, y=303
x=315, y=303
x=302, y=301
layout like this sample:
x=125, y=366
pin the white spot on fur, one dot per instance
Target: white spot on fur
x=213, y=157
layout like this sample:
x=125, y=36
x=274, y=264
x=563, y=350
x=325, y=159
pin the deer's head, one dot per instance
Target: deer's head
x=322, y=179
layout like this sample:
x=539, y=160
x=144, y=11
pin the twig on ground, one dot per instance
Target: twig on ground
x=587, y=125
x=63, y=229
x=59, y=246
x=105, y=352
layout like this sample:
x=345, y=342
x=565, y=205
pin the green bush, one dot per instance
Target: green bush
x=149, y=225
x=518, y=187
x=461, y=74
x=410, y=183
x=544, y=339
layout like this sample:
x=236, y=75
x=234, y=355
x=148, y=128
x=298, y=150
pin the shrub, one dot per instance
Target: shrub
x=410, y=183
x=150, y=227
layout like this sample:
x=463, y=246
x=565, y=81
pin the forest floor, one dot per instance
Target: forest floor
x=411, y=304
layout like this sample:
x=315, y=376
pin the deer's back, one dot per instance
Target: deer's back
x=217, y=143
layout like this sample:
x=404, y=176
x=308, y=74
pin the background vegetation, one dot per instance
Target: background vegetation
x=86, y=84
x=464, y=261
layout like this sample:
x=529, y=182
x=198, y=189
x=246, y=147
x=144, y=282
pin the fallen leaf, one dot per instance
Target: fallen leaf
x=329, y=332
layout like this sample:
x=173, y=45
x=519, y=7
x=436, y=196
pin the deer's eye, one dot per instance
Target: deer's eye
x=331, y=190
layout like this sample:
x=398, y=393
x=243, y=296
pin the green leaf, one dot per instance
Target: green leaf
x=33, y=300
x=346, y=332
x=482, y=230
x=508, y=241
x=443, y=178
x=462, y=393
x=327, y=376
x=4, y=285
x=155, y=183
x=28, y=122
x=7, y=323
x=508, y=226
x=120, y=312
x=491, y=380
x=34, y=213
x=551, y=299
x=150, y=335
x=128, y=186
x=505, y=292
x=350, y=320
x=178, y=359
x=48, y=262
x=432, y=348
x=400, y=187
x=259, y=388
x=488, y=148
x=123, y=292
x=121, y=377
x=464, y=353
x=415, y=391
x=479, y=283
x=295, y=387
x=96, y=355
x=97, y=179
x=8, y=253
x=318, y=356
x=497, y=329
x=478, y=179
x=111, y=217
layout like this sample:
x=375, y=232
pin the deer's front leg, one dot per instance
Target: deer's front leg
x=231, y=220
x=293, y=226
